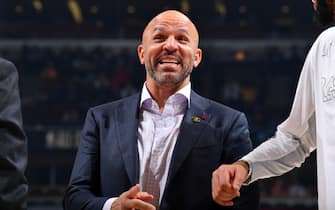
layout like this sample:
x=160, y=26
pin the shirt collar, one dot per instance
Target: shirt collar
x=185, y=91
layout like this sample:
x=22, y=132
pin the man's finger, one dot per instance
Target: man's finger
x=221, y=188
x=132, y=192
x=144, y=196
x=138, y=204
x=216, y=187
x=240, y=176
x=227, y=203
x=227, y=176
x=224, y=176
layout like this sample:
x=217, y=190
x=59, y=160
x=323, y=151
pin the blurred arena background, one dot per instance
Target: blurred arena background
x=74, y=54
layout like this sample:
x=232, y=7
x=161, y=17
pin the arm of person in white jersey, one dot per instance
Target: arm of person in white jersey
x=294, y=140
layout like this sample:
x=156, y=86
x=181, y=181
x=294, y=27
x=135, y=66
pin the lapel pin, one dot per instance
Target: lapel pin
x=203, y=117
x=196, y=119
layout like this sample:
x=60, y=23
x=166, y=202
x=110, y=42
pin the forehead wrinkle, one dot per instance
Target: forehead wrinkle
x=162, y=28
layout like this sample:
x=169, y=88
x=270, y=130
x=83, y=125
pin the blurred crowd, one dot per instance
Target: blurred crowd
x=127, y=18
x=58, y=85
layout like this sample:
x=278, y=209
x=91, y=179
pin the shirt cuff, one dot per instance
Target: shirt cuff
x=108, y=203
x=250, y=169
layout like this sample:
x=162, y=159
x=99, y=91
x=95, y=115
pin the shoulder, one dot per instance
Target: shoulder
x=4, y=62
x=222, y=108
x=7, y=68
x=217, y=109
x=320, y=47
x=108, y=108
x=325, y=38
x=327, y=34
x=226, y=114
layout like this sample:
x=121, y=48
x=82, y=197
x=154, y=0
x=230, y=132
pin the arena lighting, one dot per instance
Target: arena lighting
x=94, y=9
x=131, y=9
x=75, y=10
x=285, y=9
x=220, y=8
x=240, y=56
x=19, y=8
x=37, y=4
x=185, y=6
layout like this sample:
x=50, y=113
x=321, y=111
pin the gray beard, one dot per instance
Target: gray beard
x=162, y=80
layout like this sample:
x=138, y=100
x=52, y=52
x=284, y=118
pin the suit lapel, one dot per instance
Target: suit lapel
x=190, y=130
x=127, y=118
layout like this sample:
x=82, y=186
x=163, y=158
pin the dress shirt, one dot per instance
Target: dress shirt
x=157, y=136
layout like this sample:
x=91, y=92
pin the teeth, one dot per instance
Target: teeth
x=168, y=61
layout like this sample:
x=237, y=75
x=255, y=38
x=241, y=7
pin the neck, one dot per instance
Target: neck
x=161, y=93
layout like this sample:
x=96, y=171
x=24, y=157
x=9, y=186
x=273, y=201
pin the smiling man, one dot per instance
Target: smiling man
x=169, y=52
x=157, y=149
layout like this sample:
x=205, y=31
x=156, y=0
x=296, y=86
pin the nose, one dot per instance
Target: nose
x=171, y=44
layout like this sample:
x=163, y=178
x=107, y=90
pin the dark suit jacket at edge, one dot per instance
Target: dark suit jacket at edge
x=13, y=144
x=107, y=162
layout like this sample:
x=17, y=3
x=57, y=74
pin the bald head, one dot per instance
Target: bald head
x=172, y=17
x=169, y=50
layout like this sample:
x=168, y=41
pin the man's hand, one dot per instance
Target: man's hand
x=227, y=181
x=133, y=199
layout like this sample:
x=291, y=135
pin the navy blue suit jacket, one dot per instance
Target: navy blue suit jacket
x=107, y=162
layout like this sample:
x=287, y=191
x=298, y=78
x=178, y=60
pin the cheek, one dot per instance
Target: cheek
x=190, y=52
x=152, y=53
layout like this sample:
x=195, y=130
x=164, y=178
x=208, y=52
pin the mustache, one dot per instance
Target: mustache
x=173, y=54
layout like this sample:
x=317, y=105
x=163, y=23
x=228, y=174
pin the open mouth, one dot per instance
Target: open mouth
x=169, y=61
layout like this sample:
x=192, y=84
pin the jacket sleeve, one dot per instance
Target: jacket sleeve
x=13, y=144
x=83, y=191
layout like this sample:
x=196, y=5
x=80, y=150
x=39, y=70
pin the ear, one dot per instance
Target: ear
x=140, y=53
x=198, y=56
